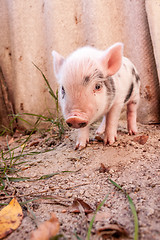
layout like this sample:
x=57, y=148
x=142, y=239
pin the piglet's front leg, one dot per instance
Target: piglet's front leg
x=83, y=138
x=112, y=118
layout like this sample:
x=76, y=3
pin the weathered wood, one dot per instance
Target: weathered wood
x=6, y=108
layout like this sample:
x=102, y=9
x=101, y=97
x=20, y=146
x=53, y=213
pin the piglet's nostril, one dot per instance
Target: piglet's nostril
x=83, y=124
x=76, y=122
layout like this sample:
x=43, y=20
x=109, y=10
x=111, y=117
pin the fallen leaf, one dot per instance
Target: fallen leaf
x=96, y=140
x=112, y=230
x=10, y=218
x=103, y=169
x=141, y=139
x=99, y=139
x=46, y=230
x=34, y=143
x=78, y=205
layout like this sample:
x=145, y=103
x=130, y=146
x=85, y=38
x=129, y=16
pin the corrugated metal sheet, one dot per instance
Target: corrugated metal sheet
x=30, y=30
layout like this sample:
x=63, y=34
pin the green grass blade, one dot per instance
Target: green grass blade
x=93, y=218
x=57, y=237
x=49, y=87
x=52, y=174
x=35, y=115
x=18, y=179
x=115, y=184
x=2, y=184
x=3, y=204
x=78, y=238
x=133, y=209
x=30, y=200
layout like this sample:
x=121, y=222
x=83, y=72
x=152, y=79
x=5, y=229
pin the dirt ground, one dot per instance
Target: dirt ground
x=133, y=163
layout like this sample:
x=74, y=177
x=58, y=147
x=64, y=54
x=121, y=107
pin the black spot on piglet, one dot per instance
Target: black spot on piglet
x=135, y=75
x=86, y=79
x=129, y=93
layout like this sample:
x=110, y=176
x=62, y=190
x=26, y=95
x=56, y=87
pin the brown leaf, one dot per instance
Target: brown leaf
x=10, y=218
x=79, y=205
x=95, y=140
x=99, y=139
x=103, y=169
x=112, y=230
x=141, y=139
x=47, y=229
x=34, y=143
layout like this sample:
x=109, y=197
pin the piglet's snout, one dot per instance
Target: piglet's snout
x=76, y=121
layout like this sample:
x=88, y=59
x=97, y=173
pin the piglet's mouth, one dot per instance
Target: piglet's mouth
x=76, y=121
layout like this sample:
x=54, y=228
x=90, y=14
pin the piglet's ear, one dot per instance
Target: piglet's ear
x=58, y=61
x=112, y=58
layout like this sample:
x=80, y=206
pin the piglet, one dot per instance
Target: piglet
x=95, y=83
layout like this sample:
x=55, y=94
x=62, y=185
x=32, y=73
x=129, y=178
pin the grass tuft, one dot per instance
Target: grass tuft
x=93, y=218
x=132, y=206
x=9, y=161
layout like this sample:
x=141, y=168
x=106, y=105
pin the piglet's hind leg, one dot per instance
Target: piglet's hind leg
x=131, y=117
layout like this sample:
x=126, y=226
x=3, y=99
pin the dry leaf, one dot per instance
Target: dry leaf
x=99, y=139
x=79, y=204
x=141, y=139
x=96, y=140
x=47, y=229
x=103, y=169
x=10, y=218
x=34, y=143
x=112, y=230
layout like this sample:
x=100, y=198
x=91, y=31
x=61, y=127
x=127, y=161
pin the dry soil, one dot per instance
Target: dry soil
x=132, y=162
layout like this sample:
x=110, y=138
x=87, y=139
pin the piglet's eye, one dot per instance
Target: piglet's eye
x=98, y=86
x=63, y=92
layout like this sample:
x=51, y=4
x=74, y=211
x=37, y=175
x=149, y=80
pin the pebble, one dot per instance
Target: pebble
x=98, y=187
x=69, y=194
x=87, y=194
x=150, y=211
x=64, y=211
x=85, y=175
x=82, y=191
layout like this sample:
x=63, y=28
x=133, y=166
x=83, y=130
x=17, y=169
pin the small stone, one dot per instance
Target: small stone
x=150, y=211
x=82, y=191
x=87, y=194
x=63, y=211
x=85, y=175
x=98, y=187
x=69, y=194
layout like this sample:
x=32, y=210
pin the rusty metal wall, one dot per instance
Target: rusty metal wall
x=30, y=30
